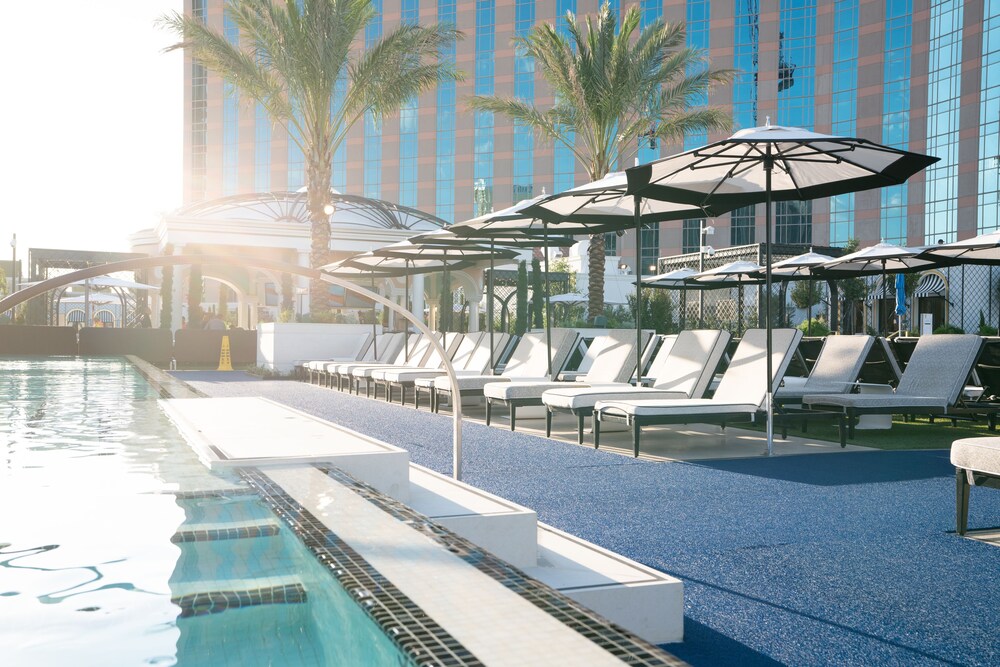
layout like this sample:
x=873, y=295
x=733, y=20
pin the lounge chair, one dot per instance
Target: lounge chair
x=613, y=363
x=931, y=384
x=459, y=350
x=741, y=394
x=835, y=371
x=977, y=463
x=313, y=370
x=682, y=368
x=423, y=355
x=477, y=363
x=528, y=362
x=389, y=350
x=417, y=349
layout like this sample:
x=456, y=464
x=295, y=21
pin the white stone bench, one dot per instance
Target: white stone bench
x=977, y=463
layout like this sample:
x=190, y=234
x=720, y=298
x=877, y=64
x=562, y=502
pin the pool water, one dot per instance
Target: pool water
x=105, y=556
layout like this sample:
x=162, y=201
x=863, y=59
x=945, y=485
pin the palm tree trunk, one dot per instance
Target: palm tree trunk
x=318, y=184
x=595, y=276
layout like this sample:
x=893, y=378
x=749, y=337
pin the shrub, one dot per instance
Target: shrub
x=816, y=327
x=949, y=329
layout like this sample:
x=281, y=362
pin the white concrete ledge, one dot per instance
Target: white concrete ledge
x=638, y=598
x=262, y=433
x=503, y=528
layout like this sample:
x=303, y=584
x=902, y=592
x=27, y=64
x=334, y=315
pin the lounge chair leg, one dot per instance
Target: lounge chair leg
x=579, y=429
x=513, y=416
x=636, y=431
x=402, y=394
x=961, y=501
x=597, y=430
x=991, y=421
x=850, y=425
x=489, y=411
x=843, y=430
x=548, y=423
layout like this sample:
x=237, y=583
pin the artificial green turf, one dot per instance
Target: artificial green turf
x=917, y=434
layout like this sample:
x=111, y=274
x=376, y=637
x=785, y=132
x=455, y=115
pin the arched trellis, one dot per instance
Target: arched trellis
x=44, y=286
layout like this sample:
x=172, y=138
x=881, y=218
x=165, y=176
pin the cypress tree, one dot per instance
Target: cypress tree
x=537, y=295
x=521, y=295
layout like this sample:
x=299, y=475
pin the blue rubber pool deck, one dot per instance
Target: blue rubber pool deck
x=824, y=559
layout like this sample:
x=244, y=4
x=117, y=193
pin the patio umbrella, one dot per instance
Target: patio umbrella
x=741, y=273
x=448, y=237
x=518, y=220
x=606, y=205
x=773, y=163
x=676, y=279
x=369, y=264
x=881, y=258
x=900, y=299
x=798, y=268
x=982, y=249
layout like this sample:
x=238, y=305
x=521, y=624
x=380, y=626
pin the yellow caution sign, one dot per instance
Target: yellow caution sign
x=225, y=360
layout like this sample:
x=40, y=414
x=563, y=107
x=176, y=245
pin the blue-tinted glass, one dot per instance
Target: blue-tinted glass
x=262, y=150
x=989, y=120
x=797, y=63
x=296, y=159
x=410, y=11
x=650, y=250
x=793, y=222
x=444, y=192
x=230, y=139
x=943, y=108
x=698, y=37
x=895, y=110
x=482, y=148
x=691, y=235
x=372, y=176
x=741, y=226
x=843, y=112
x=338, y=175
x=746, y=44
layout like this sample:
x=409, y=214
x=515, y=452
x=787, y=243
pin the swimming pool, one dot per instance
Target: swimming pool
x=118, y=547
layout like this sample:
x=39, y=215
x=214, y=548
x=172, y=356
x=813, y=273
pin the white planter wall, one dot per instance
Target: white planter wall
x=281, y=345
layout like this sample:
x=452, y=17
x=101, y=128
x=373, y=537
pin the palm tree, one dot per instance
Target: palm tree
x=289, y=58
x=611, y=90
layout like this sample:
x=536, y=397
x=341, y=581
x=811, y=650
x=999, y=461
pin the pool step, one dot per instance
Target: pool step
x=200, y=598
x=233, y=530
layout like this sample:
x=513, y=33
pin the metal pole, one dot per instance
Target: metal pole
x=374, y=330
x=548, y=315
x=809, y=309
x=882, y=320
x=768, y=166
x=701, y=267
x=406, y=304
x=489, y=304
x=638, y=292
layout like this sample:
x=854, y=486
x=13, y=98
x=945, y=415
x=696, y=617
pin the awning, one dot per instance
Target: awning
x=931, y=284
x=876, y=291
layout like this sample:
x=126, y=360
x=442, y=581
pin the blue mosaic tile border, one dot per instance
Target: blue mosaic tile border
x=215, y=602
x=214, y=534
x=417, y=635
x=618, y=641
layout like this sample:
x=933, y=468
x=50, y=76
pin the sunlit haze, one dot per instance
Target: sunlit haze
x=92, y=118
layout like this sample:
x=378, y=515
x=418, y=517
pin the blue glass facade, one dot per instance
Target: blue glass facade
x=651, y=11
x=989, y=121
x=338, y=171
x=444, y=194
x=482, y=165
x=844, y=107
x=230, y=119
x=372, y=185
x=746, y=53
x=698, y=37
x=296, y=158
x=797, y=64
x=564, y=164
x=261, y=150
x=944, y=79
x=409, y=116
x=896, y=110
x=198, y=136
x=523, y=167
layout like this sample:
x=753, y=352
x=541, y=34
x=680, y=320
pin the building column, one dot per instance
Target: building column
x=417, y=296
x=176, y=306
x=300, y=282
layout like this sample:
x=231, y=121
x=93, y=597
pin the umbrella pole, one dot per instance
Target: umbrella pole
x=374, y=330
x=768, y=167
x=406, y=299
x=739, y=305
x=881, y=307
x=548, y=314
x=489, y=303
x=638, y=293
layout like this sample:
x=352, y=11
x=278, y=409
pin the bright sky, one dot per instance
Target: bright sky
x=92, y=121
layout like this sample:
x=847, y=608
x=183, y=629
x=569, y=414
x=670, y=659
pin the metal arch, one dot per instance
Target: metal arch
x=291, y=206
x=21, y=296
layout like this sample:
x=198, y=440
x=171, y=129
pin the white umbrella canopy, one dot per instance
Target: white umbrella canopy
x=800, y=266
x=415, y=251
x=676, y=279
x=447, y=237
x=879, y=258
x=773, y=163
x=982, y=249
x=740, y=271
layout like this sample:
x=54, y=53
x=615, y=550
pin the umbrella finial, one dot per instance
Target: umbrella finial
x=767, y=121
x=543, y=191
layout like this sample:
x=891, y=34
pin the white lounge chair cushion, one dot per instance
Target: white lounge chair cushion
x=873, y=401
x=657, y=407
x=582, y=398
x=411, y=375
x=798, y=390
x=475, y=382
x=979, y=454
